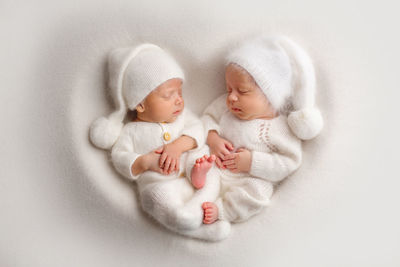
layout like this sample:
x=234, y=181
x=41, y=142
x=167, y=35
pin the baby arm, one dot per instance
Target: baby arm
x=169, y=160
x=129, y=163
x=219, y=146
x=269, y=166
x=275, y=166
x=281, y=159
x=146, y=162
x=192, y=137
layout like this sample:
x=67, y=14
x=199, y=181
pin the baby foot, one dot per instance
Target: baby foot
x=210, y=212
x=200, y=169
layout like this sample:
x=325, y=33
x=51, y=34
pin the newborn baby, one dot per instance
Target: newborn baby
x=151, y=149
x=256, y=144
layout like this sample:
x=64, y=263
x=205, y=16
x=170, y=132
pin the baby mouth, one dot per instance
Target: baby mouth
x=177, y=112
x=236, y=109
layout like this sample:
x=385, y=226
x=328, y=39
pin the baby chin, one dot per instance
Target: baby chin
x=173, y=117
x=238, y=113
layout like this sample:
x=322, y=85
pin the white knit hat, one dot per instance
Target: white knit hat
x=283, y=71
x=133, y=73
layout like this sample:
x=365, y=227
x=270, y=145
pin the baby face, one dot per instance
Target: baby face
x=164, y=104
x=245, y=99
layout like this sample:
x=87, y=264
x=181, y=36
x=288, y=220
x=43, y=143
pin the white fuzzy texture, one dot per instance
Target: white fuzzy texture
x=145, y=72
x=104, y=132
x=276, y=153
x=339, y=209
x=169, y=199
x=284, y=72
x=268, y=64
x=306, y=123
x=138, y=138
x=133, y=73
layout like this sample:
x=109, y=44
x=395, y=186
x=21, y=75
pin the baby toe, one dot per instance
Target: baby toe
x=205, y=205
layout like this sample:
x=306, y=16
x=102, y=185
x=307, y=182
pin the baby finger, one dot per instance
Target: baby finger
x=219, y=163
x=228, y=162
x=172, y=166
x=162, y=159
x=231, y=166
x=167, y=164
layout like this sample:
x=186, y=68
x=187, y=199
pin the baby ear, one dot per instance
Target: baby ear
x=140, y=108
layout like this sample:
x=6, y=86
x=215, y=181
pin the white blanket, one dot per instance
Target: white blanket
x=63, y=204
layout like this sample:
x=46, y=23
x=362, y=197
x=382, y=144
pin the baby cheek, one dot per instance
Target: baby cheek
x=161, y=108
x=259, y=104
x=169, y=107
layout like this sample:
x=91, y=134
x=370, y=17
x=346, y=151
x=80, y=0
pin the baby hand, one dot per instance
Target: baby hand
x=240, y=161
x=169, y=159
x=219, y=147
x=151, y=162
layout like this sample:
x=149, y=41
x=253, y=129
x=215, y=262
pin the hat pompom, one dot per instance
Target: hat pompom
x=104, y=132
x=306, y=123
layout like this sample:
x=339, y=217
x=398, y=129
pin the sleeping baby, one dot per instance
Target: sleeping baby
x=256, y=128
x=151, y=149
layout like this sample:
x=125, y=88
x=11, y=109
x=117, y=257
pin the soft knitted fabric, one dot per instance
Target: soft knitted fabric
x=268, y=64
x=276, y=153
x=145, y=72
x=169, y=199
x=133, y=73
x=285, y=73
x=138, y=138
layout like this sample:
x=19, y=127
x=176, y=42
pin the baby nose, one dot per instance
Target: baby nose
x=232, y=97
x=179, y=100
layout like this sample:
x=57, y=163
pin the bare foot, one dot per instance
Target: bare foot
x=210, y=212
x=200, y=169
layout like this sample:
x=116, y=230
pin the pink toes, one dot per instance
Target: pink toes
x=210, y=212
x=206, y=205
x=212, y=158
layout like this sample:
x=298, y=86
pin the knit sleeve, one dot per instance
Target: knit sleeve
x=213, y=113
x=193, y=127
x=282, y=161
x=123, y=155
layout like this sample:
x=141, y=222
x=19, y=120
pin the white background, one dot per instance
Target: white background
x=61, y=202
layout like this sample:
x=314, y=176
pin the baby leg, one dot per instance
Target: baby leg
x=243, y=198
x=158, y=201
x=191, y=215
x=161, y=199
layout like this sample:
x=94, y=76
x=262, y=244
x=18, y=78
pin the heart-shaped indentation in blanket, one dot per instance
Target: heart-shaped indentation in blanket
x=80, y=96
